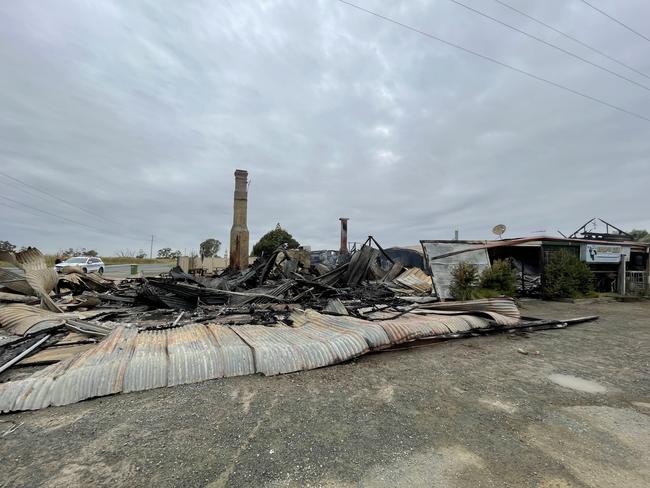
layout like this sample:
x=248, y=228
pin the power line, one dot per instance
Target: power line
x=496, y=61
x=569, y=36
x=615, y=20
x=33, y=211
x=53, y=214
x=96, y=229
x=62, y=200
x=58, y=198
x=551, y=45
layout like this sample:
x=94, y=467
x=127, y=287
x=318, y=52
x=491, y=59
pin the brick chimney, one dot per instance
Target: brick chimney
x=239, y=231
x=344, y=235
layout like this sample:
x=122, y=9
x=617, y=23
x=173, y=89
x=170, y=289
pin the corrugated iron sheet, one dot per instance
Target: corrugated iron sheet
x=410, y=327
x=34, y=392
x=345, y=344
x=43, y=281
x=237, y=355
x=15, y=282
x=478, y=314
x=501, y=305
x=29, y=259
x=412, y=280
x=97, y=372
x=273, y=355
x=194, y=355
x=55, y=354
x=19, y=319
x=148, y=365
x=374, y=334
x=129, y=361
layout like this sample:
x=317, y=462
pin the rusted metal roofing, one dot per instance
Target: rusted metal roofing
x=43, y=281
x=55, y=354
x=237, y=355
x=19, y=319
x=148, y=365
x=410, y=327
x=33, y=392
x=97, y=372
x=29, y=259
x=273, y=355
x=497, y=318
x=15, y=282
x=40, y=279
x=374, y=335
x=412, y=280
x=193, y=355
x=501, y=305
x=345, y=344
x=128, y=360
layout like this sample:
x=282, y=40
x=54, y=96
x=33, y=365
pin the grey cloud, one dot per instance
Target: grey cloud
x=141, y=111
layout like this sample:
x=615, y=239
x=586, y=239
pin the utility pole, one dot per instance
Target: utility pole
x=151, y=248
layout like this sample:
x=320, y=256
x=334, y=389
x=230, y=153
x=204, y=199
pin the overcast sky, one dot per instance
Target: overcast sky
x=140, y=111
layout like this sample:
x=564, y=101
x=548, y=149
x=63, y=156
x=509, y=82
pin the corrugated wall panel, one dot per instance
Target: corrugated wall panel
x=237, y=355
x=97, y=372
x=501, y=305
x=373, y=333
x=345, y=344
x=148, y=366
x=273, y=355
x=194, y=355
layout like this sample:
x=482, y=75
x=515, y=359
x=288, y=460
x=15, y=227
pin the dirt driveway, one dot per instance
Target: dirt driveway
x=574, y=411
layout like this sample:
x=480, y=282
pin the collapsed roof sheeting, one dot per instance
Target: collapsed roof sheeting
x=21, y=319
x=15, y=282
x=413, y=280
x=29, y=259
x=374, y=335
x=41, y=279
x=501, y=305
x=130, y=361
x=442, y=257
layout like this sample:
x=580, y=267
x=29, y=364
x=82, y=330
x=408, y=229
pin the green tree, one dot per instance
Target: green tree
x=464, y=279
x=640, y=235
x=500, y=278
x=271, y=240
x=209, y=248
x=165, y=253
x=565, y=276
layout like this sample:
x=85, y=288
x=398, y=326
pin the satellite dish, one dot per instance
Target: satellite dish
x=499, y=230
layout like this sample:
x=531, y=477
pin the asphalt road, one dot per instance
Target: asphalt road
x=124, y=270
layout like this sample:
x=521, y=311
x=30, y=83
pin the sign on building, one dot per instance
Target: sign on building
x=603, y=253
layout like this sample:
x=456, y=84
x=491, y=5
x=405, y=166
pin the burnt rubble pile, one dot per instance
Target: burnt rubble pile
x=102, y=336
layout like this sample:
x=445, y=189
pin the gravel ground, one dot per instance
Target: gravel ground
x=574, y=411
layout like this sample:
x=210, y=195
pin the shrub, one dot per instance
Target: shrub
x=500, y=278
x=565, y=276
x=464, y=278
x=271, y=240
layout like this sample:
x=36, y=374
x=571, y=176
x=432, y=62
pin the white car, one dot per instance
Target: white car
x=86, y=263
